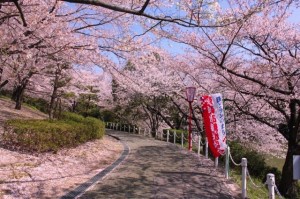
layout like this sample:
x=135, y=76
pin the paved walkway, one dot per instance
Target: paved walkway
x=156, y=169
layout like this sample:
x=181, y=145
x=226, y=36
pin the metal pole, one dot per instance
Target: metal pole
x=244, y=175
x=206, y=147
x=167, y=135
x=271, y=185
x=227, y=162
x=190, y=127
x=139, y=130
x=129, y=129
x=216, y=162
x=199, y=144
x=182, y=139
x=161, y=135
x=174, y=137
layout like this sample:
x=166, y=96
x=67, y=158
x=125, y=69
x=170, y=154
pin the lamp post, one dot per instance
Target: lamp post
x=190, y=94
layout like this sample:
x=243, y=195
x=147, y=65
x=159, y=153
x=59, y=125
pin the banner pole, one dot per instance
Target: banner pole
x=227, y=162
x=206, y=147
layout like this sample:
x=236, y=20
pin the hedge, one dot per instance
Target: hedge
x=52, y=135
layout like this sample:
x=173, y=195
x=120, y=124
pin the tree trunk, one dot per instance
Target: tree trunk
x=3, y=84
x=52, y=101
x=287, y=185
x=18, y=95
x=74, y=105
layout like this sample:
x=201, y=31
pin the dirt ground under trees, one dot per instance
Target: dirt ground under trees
x=48, y=175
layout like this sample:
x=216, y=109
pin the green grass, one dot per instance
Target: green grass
x=4, y=97
x=31, y=107
x=252, y=192
x=274, y=161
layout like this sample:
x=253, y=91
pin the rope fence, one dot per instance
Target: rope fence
x=270, y=182
x=171, y=136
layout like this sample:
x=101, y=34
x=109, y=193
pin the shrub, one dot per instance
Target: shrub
x=51, y=135
x=255, y=162
x=178, y=135
x=38, y=103
x=68, y=116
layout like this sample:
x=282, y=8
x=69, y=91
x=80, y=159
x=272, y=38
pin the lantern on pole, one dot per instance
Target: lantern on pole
x=190, y=94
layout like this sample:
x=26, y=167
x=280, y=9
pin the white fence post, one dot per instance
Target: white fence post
x=174, y=137
x=139, y=130
x=271, y=185
x=244, y=175
x=206, y=147
x=216, y=162
x=227, y=162
x=182, y=134
x=149, y=132
x=167, y=135
x=199, y=144
x=156, y=137
x=129, y=129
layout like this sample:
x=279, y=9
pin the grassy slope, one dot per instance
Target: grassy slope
x=7, y=112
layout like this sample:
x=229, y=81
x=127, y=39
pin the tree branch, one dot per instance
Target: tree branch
x=21, y=13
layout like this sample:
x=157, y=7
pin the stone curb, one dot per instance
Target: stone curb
x=81, y=189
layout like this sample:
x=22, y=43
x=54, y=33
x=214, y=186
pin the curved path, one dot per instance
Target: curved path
x=156, y=169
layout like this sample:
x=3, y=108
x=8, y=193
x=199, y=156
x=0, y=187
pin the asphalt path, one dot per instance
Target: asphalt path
x=156, y=169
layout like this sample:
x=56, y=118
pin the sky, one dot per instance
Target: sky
x=177, y=48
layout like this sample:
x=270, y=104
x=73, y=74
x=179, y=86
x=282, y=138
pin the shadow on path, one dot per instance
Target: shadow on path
x=156, y=169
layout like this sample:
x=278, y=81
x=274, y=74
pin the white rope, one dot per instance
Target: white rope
x=277, y=191
x=201, y=143
x=193, y=140
x=256, y=186
x=236, y=164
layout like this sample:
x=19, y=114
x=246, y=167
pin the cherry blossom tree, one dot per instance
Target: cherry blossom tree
x=257, y=68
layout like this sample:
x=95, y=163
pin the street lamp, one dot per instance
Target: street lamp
x=190, y=94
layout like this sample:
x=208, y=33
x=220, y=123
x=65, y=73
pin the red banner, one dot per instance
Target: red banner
x=214, y=123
